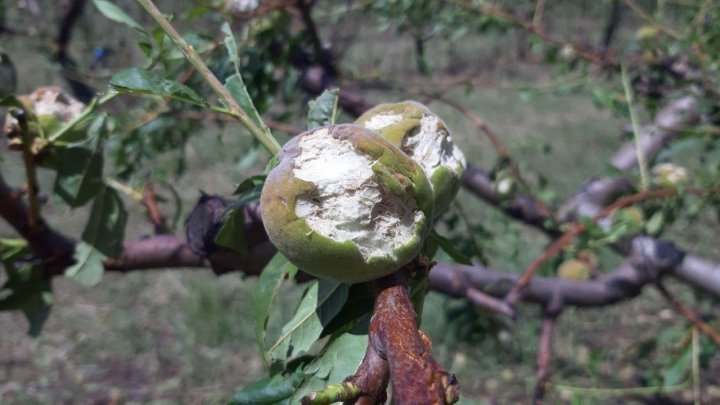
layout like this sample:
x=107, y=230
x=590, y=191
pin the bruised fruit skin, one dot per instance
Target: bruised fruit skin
x=424, y=137
x=346, y=205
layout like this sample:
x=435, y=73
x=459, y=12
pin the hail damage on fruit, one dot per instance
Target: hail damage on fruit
x=345, y=204
x=424, y=137
x=350, y=203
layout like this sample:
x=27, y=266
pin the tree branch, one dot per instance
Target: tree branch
x=416, y=377
x=544, y=354
x=688, y=313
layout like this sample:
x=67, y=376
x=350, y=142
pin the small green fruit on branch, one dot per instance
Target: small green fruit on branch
x=346, y=205
x=424, y=137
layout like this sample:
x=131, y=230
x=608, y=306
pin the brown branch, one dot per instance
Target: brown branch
x=520, y=206
x=149, y=200
x=54, y=249
x=690, y=314
x=669, y=122
x=501, y=150
x=496, y=11
x=416, y=377
x=31, y=184
x=373, y=377
x=544, y=354
x=559, y=244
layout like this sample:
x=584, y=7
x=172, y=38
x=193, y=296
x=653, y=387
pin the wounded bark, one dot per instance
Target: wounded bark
x=398, y=354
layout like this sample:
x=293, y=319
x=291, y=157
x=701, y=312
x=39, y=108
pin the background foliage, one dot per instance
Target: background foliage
x=558, y=104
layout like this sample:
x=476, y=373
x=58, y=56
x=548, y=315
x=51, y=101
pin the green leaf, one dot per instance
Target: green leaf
x=266, y=291
x=235, y=85
x=448, y=248
x=655, y=224
x=231, y=46
x=679, y=368
x=26, y=289
x=358, y=305
x=340, y=359
x=252, y=183
x=115, y=13
x=80, y=168
x=322, y=300
x=232, y=233
x=270, y=390
x=142, y=81
x=10, y=101
x=323, y=110
x=102, y=238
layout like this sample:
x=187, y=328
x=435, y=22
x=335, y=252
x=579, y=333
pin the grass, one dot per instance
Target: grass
x=186, y=335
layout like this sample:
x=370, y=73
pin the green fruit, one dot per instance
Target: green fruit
x=574, y=269
x=425, y=138
x=346, y=205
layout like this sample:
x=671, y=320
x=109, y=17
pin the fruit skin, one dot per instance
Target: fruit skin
x=444, y=178
x=574, y=269
x=319, y=255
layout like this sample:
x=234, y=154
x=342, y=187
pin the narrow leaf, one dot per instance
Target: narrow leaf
x=232, y=233
x=322, y=301
x=115, y=13
x=323, y=110
x=448, y=248
x=266, y=291
x=26, y=289
x=340, y=359
x=80, y=168
x=231, y=46
x=679, y=368
x=142, y=81
x=102, y=238
x=235, y=85
x=270, y=390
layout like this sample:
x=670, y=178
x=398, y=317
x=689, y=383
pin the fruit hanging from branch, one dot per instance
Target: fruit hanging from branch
x=346, y=205
x=424, y=137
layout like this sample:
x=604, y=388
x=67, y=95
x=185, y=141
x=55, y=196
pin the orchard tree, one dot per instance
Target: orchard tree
x=353, y=211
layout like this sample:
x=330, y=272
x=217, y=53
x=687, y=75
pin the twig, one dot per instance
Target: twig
x=639, y=152
x=149, y=200
x=650, y=20
x=578, y=228
x=265, y=138
x=500, y=148
x=696, y=367
x=538, y=14
x=345, y=391
x=200, y=115
x=496, y=11
x=483, y=300
x=544, y=353
x=688, y=313
x=31, y=184
x=373, y=377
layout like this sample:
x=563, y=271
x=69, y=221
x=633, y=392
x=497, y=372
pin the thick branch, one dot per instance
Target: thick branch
x=667, y=125
x=54, y=249
x=416, y=377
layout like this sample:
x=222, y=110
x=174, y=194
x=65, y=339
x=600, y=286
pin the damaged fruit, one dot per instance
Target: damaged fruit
x=424, y=137
x=346, y=205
